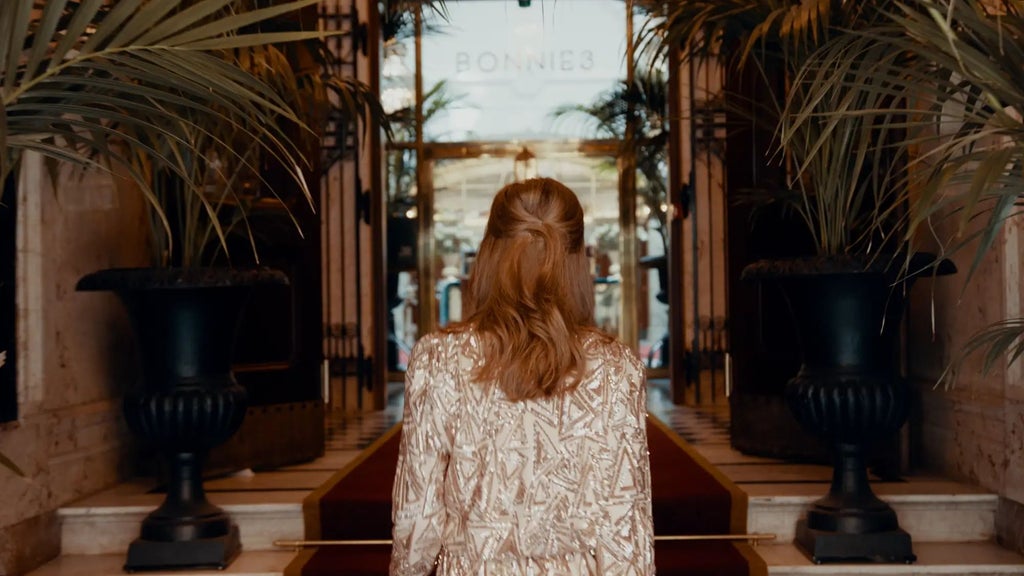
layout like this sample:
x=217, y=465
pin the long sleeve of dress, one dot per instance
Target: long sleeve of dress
x=418, y=498
x=626, y=545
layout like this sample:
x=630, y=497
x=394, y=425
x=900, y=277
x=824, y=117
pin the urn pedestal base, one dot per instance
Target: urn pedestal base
x=826, y=546
x=215, y=552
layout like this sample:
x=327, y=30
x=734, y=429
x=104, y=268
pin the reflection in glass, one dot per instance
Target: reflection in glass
x=397, y=79
x=403, y=224
x=526, y=165
x=652, y=242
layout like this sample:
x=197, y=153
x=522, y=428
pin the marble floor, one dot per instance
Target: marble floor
x=777, y=489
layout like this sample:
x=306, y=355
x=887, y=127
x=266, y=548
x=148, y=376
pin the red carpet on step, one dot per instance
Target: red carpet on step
x=689, y=498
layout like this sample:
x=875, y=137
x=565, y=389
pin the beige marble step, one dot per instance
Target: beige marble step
x=248, y=563
x=933, y=558
x=98, y=526
x=109, y=530
x=931, y=510
x=950, y=522
x=266, y=506
x=950, y=518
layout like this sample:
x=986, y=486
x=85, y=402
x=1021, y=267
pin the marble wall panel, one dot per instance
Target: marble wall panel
x=1013, y=483
x=74, y=353
x=29, y=543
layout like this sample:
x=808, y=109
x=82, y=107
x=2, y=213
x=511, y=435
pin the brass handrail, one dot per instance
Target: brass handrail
x=305, y=543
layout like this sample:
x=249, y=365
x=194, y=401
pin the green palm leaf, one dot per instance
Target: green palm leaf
x=48, y=82
x=953, y=74
x=842, y=183
x=159, y=78
x=1001, y=343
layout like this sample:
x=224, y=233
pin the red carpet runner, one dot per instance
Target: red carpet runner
x=690, y=497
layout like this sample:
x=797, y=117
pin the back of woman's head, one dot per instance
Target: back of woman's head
x=530, y=290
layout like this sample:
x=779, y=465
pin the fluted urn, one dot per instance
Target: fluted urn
x=187, y=400
x=848, y=392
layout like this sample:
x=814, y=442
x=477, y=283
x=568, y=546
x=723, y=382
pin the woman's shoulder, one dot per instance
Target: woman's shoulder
x=451, y=332
x=609, y=349
x=613, y=363
x=442, y=343
x=435, y=361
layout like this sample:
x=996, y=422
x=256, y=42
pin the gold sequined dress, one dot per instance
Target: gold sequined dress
x=557, y=486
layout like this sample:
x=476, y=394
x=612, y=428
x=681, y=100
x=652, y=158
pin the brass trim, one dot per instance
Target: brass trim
x=671, y=538
x=294, y=568
x=629, y=314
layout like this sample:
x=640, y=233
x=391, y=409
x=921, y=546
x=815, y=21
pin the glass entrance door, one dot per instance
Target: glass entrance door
x=492, y=81
x=445, y=223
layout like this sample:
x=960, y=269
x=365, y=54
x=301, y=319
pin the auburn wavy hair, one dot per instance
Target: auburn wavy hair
x=530, y=293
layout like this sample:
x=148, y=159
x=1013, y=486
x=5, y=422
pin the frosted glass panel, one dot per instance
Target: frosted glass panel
x=506, y=68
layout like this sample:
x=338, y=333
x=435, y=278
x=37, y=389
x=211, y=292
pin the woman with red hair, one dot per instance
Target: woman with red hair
x=524, y=445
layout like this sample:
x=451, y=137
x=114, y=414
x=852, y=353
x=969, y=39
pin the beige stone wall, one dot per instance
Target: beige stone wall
x=972, y=429
x=75, y=355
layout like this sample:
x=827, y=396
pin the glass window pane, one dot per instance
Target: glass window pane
x=403, y=224
x=504, y=69
x=398, y=88
x=652, y=243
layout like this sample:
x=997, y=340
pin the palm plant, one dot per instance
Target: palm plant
x=950, y=71
x=401, y=162
x=635, y=115
x=845, y=177
x=145, y=87
x=840, y=186
x=148, y=88
x=978, y=48
x=398, y=18
x=398, y=25
x=98, y=86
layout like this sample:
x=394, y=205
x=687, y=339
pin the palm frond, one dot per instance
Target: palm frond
x=1001, y=343
x=844, y=168
x=953, y=72
x=62, y=66
x=159, y=77
x=635, y=114
x=737, y=30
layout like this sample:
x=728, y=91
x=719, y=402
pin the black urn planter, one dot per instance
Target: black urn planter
x=187, y=401
x=848, y=391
